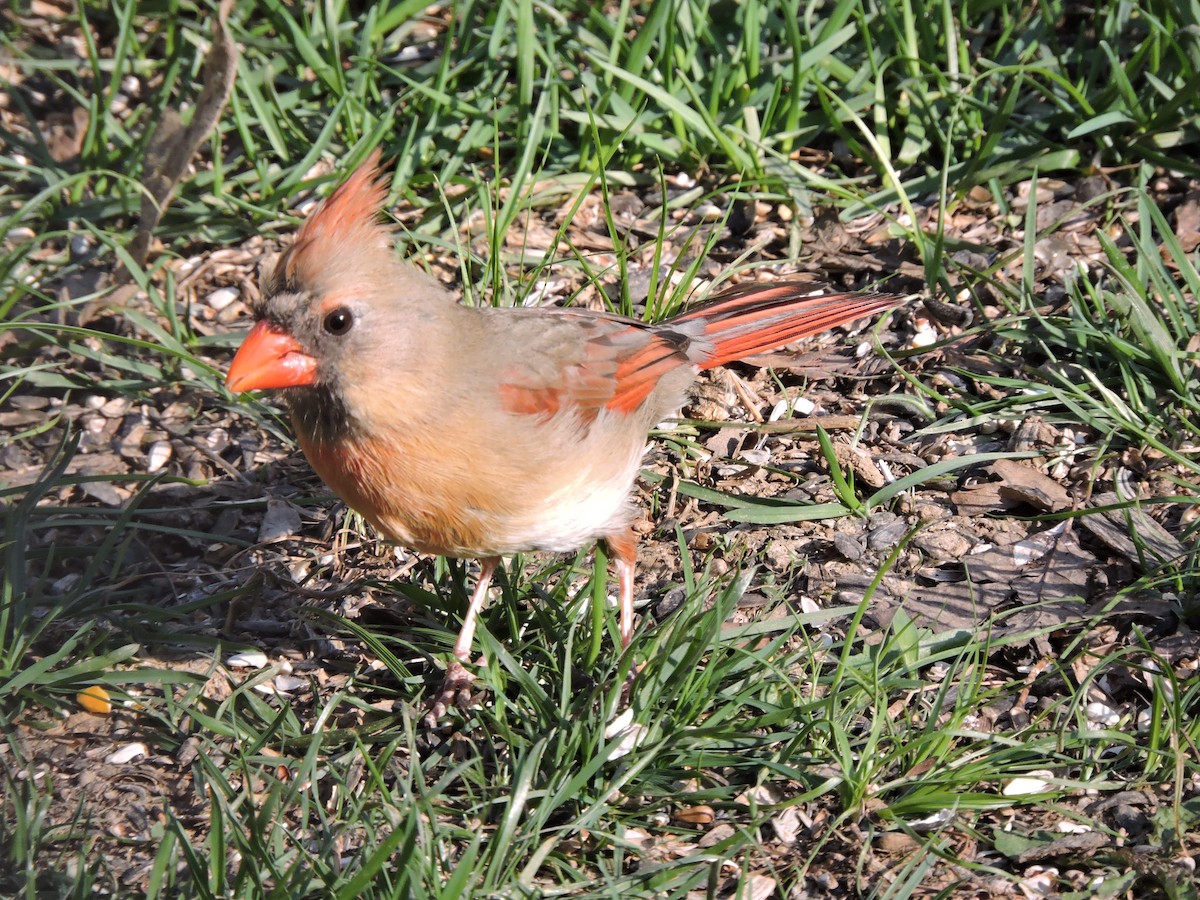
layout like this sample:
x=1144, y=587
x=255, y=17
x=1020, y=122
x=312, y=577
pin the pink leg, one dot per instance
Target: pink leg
x=462, y=646
x=457, y=683
x=623, y=548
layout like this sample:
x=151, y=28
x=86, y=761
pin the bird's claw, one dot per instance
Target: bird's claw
x=455, y=691
x=627, y=687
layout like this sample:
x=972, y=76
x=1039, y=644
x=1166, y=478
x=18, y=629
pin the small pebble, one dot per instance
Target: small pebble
x=1039, y=882
x=924, y=338
x=1033, y=783
x=758, y=457
x=1068, y=827
x=800, y=405
x=115, y=408
x=288, y=683
x=1025, y=552
x=1101, y=715
x=247, y=659
x=933, y=821
x=630, y=734
x=66, y=583
x=217, y=439
x=160, y=452
x=803, y=406
x=222, y=297
x=127, y=753
x=80, y=246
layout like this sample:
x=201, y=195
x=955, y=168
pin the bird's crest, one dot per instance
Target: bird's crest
x=343, y=234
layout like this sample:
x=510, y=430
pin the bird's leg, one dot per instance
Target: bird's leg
x=623, y=549
x=466, y=634
x=456, y=685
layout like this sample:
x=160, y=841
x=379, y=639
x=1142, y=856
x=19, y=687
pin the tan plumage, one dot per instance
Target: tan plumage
x=482, y=432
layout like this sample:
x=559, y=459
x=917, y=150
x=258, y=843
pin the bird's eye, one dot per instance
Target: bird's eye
x=339, y=321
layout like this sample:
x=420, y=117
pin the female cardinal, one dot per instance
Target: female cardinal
x=480, y=432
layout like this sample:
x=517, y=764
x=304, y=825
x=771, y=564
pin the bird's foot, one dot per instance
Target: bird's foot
x=455, y=691
x=627, y=687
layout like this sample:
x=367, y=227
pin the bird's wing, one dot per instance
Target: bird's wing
x=593, y=361
x=584, y=362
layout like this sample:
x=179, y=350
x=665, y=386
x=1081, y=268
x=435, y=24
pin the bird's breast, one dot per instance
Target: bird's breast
x=480, y=495
x=399, y=488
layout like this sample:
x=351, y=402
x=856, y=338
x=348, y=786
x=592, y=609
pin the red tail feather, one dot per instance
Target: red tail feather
x=740, y=322
x=755, y=319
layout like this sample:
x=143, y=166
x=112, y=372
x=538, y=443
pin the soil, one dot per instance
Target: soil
x=238, y=538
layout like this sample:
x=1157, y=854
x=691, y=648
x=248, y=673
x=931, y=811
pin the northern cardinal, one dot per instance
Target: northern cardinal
x=477, y=431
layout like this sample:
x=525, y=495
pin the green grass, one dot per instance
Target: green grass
x=508, y=119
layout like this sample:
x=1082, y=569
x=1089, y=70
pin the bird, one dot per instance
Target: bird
x=478, y=432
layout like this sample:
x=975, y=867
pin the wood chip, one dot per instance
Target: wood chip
x=1022, y=483
x=1116, y=527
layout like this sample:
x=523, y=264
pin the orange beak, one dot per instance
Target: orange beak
x=270, y=358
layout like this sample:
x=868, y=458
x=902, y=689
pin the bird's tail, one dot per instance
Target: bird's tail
x=756, y=318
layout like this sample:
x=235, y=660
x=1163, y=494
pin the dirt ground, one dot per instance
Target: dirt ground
x=986, y=547
x=990, y=544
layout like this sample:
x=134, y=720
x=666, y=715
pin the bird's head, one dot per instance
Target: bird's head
x=319, y=306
